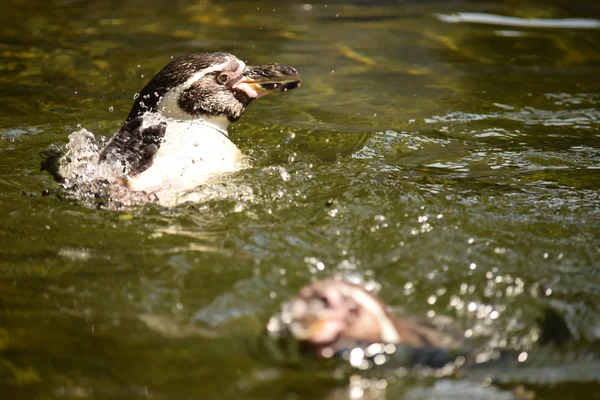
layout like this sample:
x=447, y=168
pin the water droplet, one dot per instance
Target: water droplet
x=291, y=136
x=327, y=352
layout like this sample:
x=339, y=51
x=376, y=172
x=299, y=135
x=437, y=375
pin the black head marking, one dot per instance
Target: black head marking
x=176, y=73
x=211, y=84
x=209, y=97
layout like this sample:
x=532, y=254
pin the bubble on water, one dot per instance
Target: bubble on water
x=290, y=137
x=314, y=264
x=135, y=96
x=111, y=109
x=285, y=175
x=523, y=357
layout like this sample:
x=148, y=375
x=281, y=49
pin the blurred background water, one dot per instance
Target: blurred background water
x=453, y=164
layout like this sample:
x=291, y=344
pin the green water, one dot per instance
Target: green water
x=456, y=165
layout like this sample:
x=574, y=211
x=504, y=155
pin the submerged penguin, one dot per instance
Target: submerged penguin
x=175, y=137
x=332, y=317
x=340, y=320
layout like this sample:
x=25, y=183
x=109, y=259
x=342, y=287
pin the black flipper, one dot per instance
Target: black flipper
x=136, y=144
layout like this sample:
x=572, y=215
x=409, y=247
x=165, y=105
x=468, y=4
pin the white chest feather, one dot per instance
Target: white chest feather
x=191, y=153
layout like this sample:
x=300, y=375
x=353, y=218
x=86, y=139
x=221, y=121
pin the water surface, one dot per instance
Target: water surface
x=455, y=165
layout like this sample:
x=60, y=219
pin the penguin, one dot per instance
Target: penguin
x=175, y=137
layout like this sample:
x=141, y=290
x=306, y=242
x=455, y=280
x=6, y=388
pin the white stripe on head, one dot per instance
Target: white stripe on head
x=241, y=68
x=194, y=78
x=389, y=333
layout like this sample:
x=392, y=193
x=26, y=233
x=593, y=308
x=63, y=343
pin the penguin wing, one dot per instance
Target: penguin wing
x=136, y=143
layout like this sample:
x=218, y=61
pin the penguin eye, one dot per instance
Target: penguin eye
x=222, y=79
x=324, y=301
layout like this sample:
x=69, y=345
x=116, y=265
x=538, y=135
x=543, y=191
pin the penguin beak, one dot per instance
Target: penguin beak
x=260, y=80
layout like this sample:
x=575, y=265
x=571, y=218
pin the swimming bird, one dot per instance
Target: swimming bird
x=175, y=137
x=331, y=316
x=337, y=319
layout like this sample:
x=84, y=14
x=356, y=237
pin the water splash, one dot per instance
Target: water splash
x=85, y=178
x=81, y=170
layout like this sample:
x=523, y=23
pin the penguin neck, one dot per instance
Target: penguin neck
x=217, y=123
